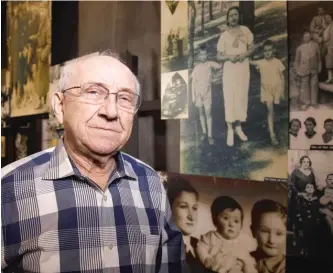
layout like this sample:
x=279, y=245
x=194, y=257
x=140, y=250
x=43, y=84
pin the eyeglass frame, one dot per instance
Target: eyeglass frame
x=107, y=94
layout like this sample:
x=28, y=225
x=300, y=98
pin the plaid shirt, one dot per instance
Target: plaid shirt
x=56, y=220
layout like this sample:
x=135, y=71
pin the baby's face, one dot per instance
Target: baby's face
x=329, y=181
x=268, y=51
x=229, y=223
x=328, y=126
x=271, y=234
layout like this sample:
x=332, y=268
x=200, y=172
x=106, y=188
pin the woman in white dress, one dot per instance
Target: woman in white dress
x=234, y=47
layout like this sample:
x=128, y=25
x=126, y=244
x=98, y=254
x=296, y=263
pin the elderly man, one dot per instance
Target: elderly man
x=84, y=206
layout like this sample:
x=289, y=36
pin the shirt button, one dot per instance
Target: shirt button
x=105, y=198
x=110, y=246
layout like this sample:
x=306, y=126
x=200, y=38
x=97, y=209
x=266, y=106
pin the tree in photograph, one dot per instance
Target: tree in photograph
x=192, y=15
x=211, y=10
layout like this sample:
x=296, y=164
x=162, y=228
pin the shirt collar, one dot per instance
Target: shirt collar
x=61, y=166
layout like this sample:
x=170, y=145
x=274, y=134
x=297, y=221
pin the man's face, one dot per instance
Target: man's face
x=320, y=11
x=98, y=129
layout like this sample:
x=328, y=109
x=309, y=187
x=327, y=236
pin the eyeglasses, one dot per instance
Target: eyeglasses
x=96, y=93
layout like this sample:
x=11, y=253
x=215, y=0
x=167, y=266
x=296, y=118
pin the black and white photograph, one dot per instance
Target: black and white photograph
x=311, y=54
x=174, y=36
x=174, y=95
x=238, y=107
x=311, y=127
x=226, y=222
x=29, y=56
x=5, y=95
x=310, y=204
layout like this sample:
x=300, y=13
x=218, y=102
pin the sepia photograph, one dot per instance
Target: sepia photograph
x=5, y=95
x=310, y=204
x=311, y=55
x=238, y=107
x=225, y=222
x=174, y=95
x=174, y=36
x=29, y=56
x=3, y=146
x=310, y=127
x=49, y=135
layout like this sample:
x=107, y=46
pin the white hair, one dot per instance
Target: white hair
x=69, y=70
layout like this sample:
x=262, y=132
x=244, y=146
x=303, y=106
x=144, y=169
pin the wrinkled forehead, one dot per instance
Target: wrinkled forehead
x=106, y=70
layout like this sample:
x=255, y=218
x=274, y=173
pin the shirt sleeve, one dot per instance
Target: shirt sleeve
x=171, y=254
x=281, y=66
x=248, y=34
x=221, y=44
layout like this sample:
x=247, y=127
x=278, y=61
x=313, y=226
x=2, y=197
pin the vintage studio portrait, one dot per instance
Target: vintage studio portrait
x=313, y=127
x=311, y=55
x=29, y=56
x=174, y=36
x=238, y=108
x=224, y=223
x=310, y=204
x=174, y=95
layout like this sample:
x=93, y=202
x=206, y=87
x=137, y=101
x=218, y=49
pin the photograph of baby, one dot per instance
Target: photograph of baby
x=312, y=127
x=311, y=54
x=174, y=94
x=174, y=36
x=238, y=108
x=230, y=225
x=310, y=204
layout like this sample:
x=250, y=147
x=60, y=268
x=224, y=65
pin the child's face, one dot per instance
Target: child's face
x=202, y=56
x=268, y=51
x=309, y=126
x=329, y=181
x=306, y=37
x=271, y=234
x=229, y=223
x=295, y=126
x=328, y=126
x=309, y=189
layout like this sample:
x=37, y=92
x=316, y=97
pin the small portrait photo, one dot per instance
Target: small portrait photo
x=5, y=96
x=174, y=36
x=311, y=127
x=3, y=146
x=310, y=204
x=310, y=30
x=225, y=223
x=174, y=95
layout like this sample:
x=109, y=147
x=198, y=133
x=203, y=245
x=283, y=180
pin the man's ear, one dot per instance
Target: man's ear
x=57, y=106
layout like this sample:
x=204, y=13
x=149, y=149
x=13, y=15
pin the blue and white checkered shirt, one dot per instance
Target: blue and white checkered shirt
x=56, y=220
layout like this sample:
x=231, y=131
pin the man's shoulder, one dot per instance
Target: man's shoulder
x=35, y=163
x=139, y=167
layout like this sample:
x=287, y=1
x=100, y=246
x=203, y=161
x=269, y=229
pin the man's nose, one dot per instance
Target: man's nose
x=109, y=107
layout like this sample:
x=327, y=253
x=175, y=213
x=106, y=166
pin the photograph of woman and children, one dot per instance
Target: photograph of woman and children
x=310, y=129
x=230, y=226
x=310, y=204
x=29, y=51
x=174, y=67
x=238, y=111
x=310, y=33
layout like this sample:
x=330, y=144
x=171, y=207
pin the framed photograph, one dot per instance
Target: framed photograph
x=237, y=124
x=174, y=94
x=174, y=36
x=311, y=129
x=3, y=146
x=310, y=28
x=310, y=204
x=226, y=216
x=29, y=56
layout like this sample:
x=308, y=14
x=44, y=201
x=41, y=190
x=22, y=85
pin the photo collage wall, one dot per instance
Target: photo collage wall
x=257, y=136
